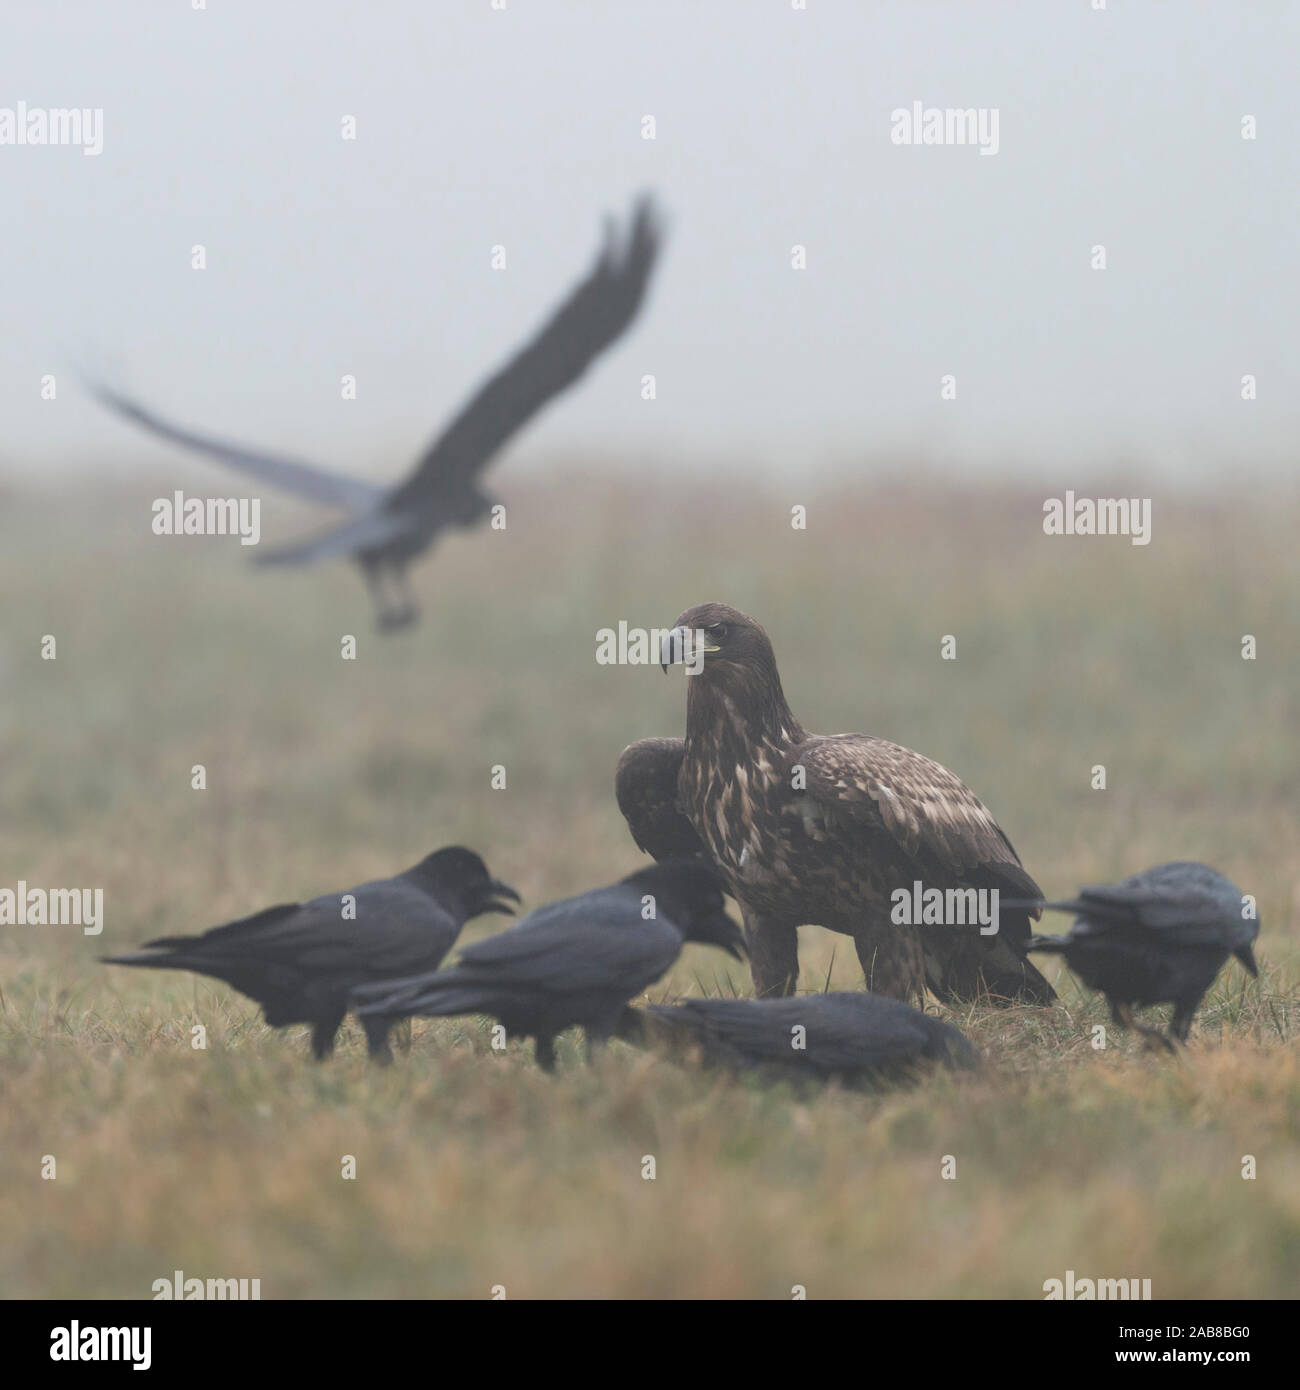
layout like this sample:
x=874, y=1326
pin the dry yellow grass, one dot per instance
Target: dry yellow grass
x=473, y=1169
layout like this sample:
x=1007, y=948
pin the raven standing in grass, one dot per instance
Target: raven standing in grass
x=388, y=527
x=1159, y=937
x=572, y=963
x=300, y=960
x=853, y=1037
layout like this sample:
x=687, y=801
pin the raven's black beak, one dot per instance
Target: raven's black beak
x=1247, y=957
x=496, y=891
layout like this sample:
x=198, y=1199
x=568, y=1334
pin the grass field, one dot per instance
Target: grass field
x=474, y=1170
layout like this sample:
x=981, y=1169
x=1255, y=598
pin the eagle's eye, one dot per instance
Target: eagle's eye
x=717, y=631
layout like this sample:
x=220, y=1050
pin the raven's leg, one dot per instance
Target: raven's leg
x=322, y=1034
x=773, y=954
x=1184, y=1009
x=544, y=1051
x=403, y=611
x=892, y=957
x=1153, y=1037
x=408, y=610
x=377, y=1026
x=374, y=576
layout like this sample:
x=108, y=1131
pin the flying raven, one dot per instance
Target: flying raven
x=1159, y=937
x=300, y=960
x=388, y=527
x=852, y=1037
x=574, y=962
x=825, y=830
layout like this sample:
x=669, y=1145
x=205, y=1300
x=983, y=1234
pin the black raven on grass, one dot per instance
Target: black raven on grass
x=388, y=527
x=573, y=963
x=855, y=1037
x=1159, y=937
x=300, y=960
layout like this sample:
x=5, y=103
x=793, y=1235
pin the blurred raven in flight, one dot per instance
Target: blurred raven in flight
x=571, y=963
x=388, y=527
x=1159, y=937
x=300, y=960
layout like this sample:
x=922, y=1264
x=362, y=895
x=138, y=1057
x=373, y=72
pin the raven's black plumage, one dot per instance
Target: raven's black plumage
x=300, y=960
x=819, y=829
x=1159, y=937
x=853, y=1037
x=388, y=527
x=572, y=963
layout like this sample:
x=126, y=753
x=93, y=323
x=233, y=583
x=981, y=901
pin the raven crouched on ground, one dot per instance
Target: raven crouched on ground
x=857, y=1038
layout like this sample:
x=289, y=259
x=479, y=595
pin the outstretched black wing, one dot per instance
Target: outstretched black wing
x=593, y=316
x=291, y=475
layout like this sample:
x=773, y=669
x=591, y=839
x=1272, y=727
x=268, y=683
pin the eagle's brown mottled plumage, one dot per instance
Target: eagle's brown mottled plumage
x=869, y=817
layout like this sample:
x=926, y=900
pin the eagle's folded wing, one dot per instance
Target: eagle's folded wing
x=646, y=787
x=942, y=827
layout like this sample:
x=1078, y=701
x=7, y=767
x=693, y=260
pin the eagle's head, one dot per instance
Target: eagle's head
x=732, y=666
x=714, y=639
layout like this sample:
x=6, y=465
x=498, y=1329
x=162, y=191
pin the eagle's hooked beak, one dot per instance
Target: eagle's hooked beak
x=684, y=644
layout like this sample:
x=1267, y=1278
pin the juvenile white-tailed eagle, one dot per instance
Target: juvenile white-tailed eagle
x=823, y=829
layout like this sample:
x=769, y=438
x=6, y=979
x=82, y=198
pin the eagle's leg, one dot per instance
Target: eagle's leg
x=544, y=1051
x=773, y=954
x=891, y=957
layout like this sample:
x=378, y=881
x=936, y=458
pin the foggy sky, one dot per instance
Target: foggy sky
x=523, y=127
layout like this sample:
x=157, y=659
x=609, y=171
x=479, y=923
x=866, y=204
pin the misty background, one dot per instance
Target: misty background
x=522, y=127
